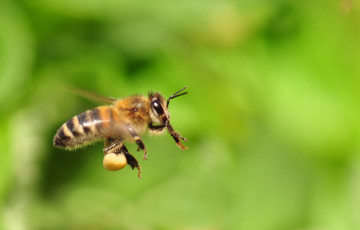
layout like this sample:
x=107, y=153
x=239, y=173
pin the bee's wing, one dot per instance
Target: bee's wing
x=91, y=95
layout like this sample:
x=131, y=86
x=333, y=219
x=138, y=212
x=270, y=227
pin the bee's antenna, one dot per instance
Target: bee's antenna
x=176, y=95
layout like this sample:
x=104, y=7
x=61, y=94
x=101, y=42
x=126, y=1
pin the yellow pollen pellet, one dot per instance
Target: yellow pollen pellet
x=114, y=162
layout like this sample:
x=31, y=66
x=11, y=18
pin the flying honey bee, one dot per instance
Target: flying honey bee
x=124, y=120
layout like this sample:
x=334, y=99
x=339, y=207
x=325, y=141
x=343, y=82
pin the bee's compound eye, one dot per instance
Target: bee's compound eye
x=114, y=162
x=158, y=108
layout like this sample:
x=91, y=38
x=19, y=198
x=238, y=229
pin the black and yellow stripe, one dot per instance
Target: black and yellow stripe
x=61, y=138
x=75, y=127
x=84, y=128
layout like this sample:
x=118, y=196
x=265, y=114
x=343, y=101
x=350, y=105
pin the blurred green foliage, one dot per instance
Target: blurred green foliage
x=272, y=113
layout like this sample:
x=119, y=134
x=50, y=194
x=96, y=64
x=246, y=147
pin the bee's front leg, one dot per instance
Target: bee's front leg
x=156, y=128
x=138, y=141
x=177, y=137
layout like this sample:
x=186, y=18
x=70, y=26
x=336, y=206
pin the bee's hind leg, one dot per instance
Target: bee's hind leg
x=131, y=160
x=118, y=147
x=113, y=145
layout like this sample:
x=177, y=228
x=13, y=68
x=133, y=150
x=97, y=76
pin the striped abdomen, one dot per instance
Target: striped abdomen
x=90, y=126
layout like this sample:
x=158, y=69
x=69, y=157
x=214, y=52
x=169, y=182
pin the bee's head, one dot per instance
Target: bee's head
x=159, y=107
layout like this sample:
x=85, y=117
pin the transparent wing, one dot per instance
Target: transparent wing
x=91, y=96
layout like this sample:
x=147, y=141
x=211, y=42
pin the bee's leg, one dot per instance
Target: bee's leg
x=113, y=145
x=131, y=160
x=138, y=141
x=108, y=141
x=118, y=147
x=176, y=137
x=156, y=128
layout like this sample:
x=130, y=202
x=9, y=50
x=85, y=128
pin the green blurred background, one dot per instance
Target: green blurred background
x=272, y=113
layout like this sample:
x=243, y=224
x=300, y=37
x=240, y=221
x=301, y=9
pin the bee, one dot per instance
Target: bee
x=124, y=120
